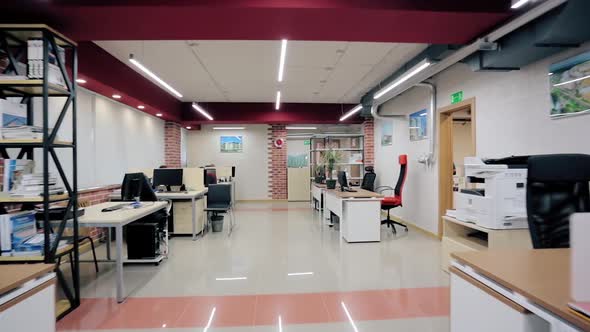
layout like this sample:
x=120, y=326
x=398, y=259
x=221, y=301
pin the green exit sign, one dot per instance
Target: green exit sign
x=457, y=97
x=307, y=142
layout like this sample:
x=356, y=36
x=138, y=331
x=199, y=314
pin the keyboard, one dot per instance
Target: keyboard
x=115, y=207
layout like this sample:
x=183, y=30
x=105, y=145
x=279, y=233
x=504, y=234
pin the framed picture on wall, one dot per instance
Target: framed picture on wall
x=231, y=144
x=418, y=125
x=386, y=133
x=570, y=86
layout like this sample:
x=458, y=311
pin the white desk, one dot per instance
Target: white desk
x=94, y=217
x=359, y=213
x=513, y=290
x=27, y=298
x=191, y=195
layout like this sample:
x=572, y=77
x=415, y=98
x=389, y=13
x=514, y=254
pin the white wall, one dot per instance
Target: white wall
x=512, y=118
x=112, y=139
x=203, y=147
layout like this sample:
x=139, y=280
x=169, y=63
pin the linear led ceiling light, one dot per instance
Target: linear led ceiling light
x=229, y=128
x=406, y=76
x=301, y=128
x=518, y=4
x=572, y=81
x=81, y=80
x=202, y=111
x=278, y=102
x=154, y=76
x=282, y=59
x=348, y=114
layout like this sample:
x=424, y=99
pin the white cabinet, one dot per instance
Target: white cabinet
x=30, y=310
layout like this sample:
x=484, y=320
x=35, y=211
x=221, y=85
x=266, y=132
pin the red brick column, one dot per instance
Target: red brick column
x=369, y=141
x=277, y=163
x=172, y=144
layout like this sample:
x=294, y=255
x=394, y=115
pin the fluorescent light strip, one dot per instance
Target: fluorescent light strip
x=81, y=80
x=202, y=111
x=572, y=81
x=300, y=274
x=278, y=102
x=231, y=279
x=282, y=59
x=280, y=324
x=402, y=79
x=210, y=319
x=154, y=77
x=301, y=128
x=229, y=128
x=349, y=317
x=356, y=109
x=519, y=4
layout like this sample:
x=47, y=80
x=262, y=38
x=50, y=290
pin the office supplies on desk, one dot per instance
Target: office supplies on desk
x=501, y=203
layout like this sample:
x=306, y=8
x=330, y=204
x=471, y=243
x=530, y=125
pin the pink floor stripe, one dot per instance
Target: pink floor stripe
x=249, y=310
x=275, y=209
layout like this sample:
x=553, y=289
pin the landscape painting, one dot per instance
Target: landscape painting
x=570, y=86
x=231, y=144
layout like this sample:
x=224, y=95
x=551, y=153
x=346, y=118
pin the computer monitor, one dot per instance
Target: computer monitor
x=137, y=185
x=210, y=177
x=342, y=180
x=168, y=177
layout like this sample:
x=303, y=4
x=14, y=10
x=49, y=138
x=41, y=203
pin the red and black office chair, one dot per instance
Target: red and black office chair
x=394, y=201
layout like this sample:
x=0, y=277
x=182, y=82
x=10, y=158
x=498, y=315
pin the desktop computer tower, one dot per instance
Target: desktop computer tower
x=143, y=240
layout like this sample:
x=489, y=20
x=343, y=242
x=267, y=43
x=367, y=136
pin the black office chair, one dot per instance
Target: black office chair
x=219, y=201
x=557, y=186
x=369, y=179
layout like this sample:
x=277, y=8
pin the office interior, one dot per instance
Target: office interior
x=295, y=166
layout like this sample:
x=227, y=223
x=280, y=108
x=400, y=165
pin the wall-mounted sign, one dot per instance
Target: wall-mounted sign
x=307, y=142
x=457, y=97
x=279, y=142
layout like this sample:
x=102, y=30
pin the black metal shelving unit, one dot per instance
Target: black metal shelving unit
x=13, y=41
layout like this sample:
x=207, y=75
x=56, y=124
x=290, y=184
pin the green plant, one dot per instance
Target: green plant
x=331, y=157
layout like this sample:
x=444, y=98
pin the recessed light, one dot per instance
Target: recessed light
x=159, y=114
x=141, y=107
x=231, y=279
x=189, y=127
x=117, y=96
x=81, y=80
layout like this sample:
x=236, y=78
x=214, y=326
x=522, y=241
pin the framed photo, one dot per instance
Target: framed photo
x=570, y=86
x=418, y=125
x=231, y=144
x=386, y=133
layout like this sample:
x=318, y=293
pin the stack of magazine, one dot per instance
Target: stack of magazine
x=31, y=185
x=23, y=132
x=19, y=237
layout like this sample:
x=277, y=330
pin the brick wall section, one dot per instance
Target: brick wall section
x=277, y=163
x=172, y=144
x=369, y=141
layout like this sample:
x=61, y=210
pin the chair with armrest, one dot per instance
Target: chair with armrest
x=369, y=179
x=394, y=201
x=557, y=187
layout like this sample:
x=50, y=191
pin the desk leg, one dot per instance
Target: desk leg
x=119, y=263
x=194, y=218
x=108, y=229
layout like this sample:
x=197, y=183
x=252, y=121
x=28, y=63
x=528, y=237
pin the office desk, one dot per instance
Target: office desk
x=359, y=213
x=27, y=297
x=195, y=197
x=196, y=205
x=513, y=290
x=94, y=217
x=318, y=192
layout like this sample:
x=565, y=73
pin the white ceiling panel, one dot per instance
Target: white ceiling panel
x=246, y=71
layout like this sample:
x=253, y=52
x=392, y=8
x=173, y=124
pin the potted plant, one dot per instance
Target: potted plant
x=331, y=157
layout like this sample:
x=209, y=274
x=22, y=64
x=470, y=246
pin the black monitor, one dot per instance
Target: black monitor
x=342, y=180
x=167, y=177
x=210, y=176
x=137, y=185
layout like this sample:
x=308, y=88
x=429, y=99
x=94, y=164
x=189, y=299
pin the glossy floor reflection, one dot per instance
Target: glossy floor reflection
x=281, y=261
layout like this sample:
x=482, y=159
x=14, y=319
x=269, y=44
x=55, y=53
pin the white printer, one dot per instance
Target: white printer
x=501, y=203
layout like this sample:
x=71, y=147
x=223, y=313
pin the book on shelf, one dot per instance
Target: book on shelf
x=23, y=132
x=31, y=185
x=14, y=171
x=12, y=112
x=35, y=62
x=19, y=236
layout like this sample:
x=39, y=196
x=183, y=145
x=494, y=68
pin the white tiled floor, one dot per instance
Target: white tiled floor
x=271, y=241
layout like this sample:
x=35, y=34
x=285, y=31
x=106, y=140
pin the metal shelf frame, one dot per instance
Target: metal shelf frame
x=326, y=140
x=13, y=41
